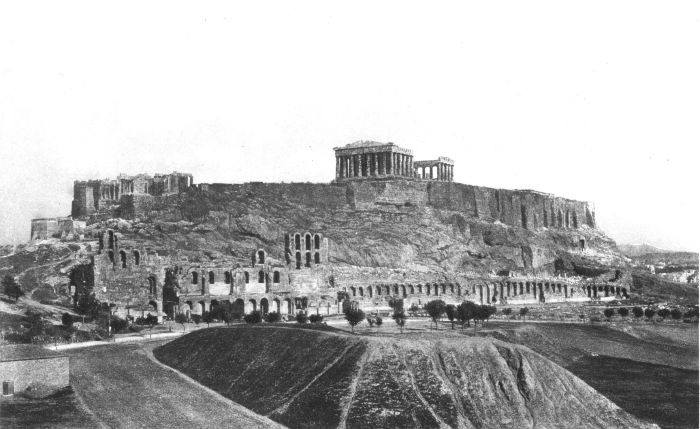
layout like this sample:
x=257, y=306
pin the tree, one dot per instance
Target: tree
x=484, y=312
x=370, y=320
x=67, y=320
x=623, y=311
x=207, y=318
x=400, y=319
x=196, y=318
x=524, y=311
x=316, y=318
x=11, y=288
x=87, y=305
x=609, y=312
x=664, y=313
x=378, y=320
x=181, y=318
x=396, y=304
x=301, y=317
x=435, y=310
x=451, y=313
x=354, y=316
x=466, y=311
x=676, y=313
x=273, y=317
x=649, y=313
x=638, y=312
x=507, y=311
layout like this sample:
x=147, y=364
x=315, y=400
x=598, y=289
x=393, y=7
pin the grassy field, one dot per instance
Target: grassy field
x=329, y=378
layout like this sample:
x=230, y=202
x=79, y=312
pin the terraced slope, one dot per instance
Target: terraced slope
x=308, y=378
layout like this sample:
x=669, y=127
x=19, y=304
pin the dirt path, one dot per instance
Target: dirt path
x=123, y=387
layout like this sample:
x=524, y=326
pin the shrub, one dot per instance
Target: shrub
x=524, y=311
x=316, y=318
x=451, y=313
x=207, y=317
x=301, y=317
x=664, y=313
x=196, y=318
x=253, y=317
x=638, y=312
x=11, y=288
x=507, y=311
x=378, y=320
x=609, y=312
x=273, y=317
x=117, y=324
x=181, y=318
x=676, y=313
x=623, y=311
x=67, y=320
x=354, y=316
x=649, y=313
x=370, y=320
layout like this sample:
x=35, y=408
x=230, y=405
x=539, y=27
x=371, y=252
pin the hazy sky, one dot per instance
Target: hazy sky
x=596, y=101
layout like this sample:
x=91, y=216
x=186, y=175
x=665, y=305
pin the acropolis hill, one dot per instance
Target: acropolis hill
x=386, y=226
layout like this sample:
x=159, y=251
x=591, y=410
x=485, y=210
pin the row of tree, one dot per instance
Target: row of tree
x=649, y=312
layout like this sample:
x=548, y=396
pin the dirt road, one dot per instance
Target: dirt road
x=123, y=387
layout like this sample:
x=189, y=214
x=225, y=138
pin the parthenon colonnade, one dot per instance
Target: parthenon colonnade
x=368, y=159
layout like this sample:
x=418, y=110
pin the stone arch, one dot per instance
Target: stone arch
x=195, y=276
x=411, y=289
x=202, y=307
x=452, y=288
x=444, y=288
x=361, y=291
x=353, y=291
x=261, y=276
x=122, y=258
x=427, y=288
x=227, y=277
x=246, y=276
x=308, y=259
x=212, y=278
x=110, y=253
x=606, y=289
x=396, y=289
x=239, y=306
x=624, y=292
x=276, y=305
x=154, y=306
x=214, y=304
x=435, y=289
x=307, y=242
x=275, y=276
x=261, y=256
x=523, y=216
x=298, y=260
x=287, y=307
x=252, y=306
x=403, y=291
x=152, y=288
x=264, y=306
x=370, y=291
x=546, y=287
x=137, y=258
x=317, y=258
x=317, y=241
x=388, y=289
x=379, y=290
x=297, y=242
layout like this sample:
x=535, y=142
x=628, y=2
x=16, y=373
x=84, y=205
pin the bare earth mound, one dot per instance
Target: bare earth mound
x=308, y=378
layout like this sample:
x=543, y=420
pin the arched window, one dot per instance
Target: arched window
x=317, y=258
x=261, y=256
x=307, y=242
x=110, y=240
x=308, y=259
x=261, y=276
x=353, y=290
x=298, y=259
x=227, y=277
x=137, y=257
x=122, y=256
x=379, y=290
x=276, y=277
x=211, y=277
x=297, y=241
x=100, y=243
x=286, y=242
x=247, y=276
x=194, y=277
x=111, y=256
x=317, y=241
x=361, y=291
x=152, y=285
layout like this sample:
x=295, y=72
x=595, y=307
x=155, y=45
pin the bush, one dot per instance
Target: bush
x=253, y=317
x=67, y=320
x=435, y=309
x=623, y=311
x=507, y=311
x=370, y=320
x=664, y=313
x=196, y=318
x=400, y=319
x=524, y=311
x=638, y=312
x=273, y=317
x=117, y=324
x=609, y=312
x=378, y=320
x=316, y=318
x=649, y=313
x=301, y=317
x=676, y=313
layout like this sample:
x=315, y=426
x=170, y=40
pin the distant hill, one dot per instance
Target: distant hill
x=634, y=250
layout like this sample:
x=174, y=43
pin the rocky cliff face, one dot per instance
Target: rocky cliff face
x=305, y=378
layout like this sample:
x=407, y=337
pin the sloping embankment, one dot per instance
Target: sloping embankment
x=307, y=378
